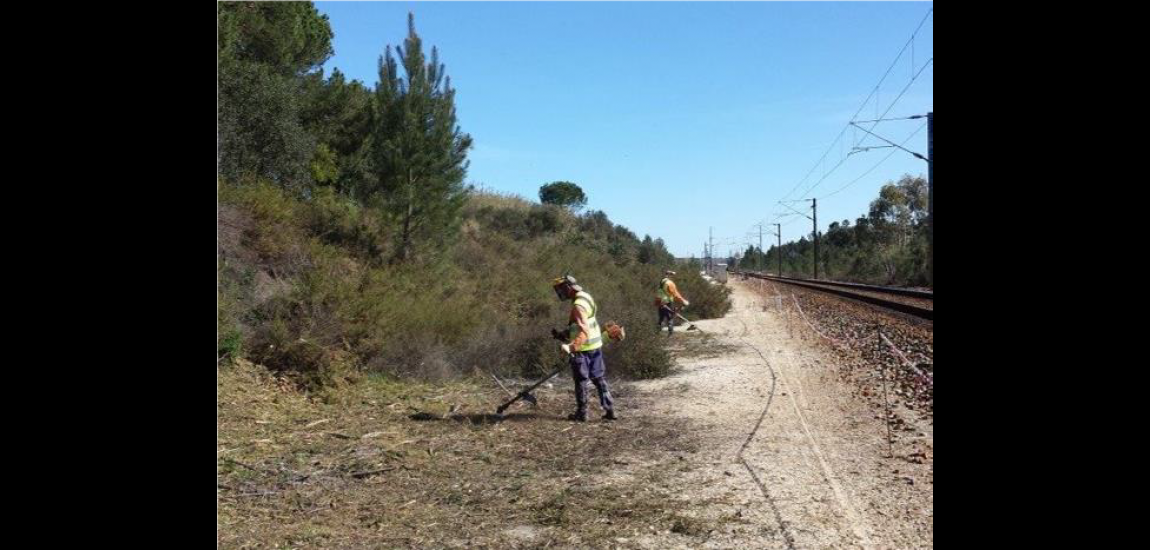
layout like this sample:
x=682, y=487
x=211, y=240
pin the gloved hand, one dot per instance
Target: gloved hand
x=566, y=348
x=686, y=303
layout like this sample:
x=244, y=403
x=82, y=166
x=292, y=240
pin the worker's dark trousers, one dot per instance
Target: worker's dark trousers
x=589, y=365
x=667, y=315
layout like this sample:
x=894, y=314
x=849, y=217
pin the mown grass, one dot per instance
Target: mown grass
x=396, y=463
x=364, y=416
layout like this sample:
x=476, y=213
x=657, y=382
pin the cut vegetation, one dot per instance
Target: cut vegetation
x=398, y=464
x=365, y=294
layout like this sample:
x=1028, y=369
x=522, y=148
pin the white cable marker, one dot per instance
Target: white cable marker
x=907, y=362
x=857, y=523
x=817, y=331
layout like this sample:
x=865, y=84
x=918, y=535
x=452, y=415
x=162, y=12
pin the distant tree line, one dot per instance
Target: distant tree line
x=887, y=246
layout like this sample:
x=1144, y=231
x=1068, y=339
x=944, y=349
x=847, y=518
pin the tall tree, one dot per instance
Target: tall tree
x=662, y=255
x=338, y=113
x=263, y=52
x=291, y=38
x=563, y=193
x=647, y=250
x=419, y=152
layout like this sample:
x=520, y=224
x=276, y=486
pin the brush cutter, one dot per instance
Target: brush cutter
x=615, y=332
x=690, y=325
x=526, y=394
x=529, y=398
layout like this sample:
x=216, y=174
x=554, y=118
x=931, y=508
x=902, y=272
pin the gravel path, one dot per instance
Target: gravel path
x=791, y=457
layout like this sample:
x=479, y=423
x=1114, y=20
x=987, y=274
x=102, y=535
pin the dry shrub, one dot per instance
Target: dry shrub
x=708, y=300
x=484, y=306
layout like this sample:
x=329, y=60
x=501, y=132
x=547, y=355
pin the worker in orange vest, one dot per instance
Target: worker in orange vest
x=665, y=300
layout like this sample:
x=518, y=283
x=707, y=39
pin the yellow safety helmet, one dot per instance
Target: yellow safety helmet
x=559, y=282
x=564, y=280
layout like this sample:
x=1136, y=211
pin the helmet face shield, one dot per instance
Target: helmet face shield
x=562, y=286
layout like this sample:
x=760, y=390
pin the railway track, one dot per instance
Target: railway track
x=916, y=303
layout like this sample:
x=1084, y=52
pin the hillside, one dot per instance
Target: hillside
x=306, y=288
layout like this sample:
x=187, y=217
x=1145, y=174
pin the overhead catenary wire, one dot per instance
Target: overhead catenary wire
x=873, y=168
x=796, y=211
x=895, y=145
x=793, y=220
x=793, y=217
x=874, y=92
x=868, y=133
x=912, y=117
x=882, y=117
x=807, y=194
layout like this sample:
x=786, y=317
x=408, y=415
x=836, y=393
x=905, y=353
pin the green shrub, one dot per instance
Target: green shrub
x=229, y=338
x=486, y=305
x=340, y=220
x=277, y=232
x=708, y=300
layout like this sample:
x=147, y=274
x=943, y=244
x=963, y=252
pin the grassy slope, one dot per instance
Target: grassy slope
x=371, y=427
x=386, y=463
x=305, y=290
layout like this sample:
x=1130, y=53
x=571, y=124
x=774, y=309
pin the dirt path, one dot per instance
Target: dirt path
x=789, y=459
x=757, y=441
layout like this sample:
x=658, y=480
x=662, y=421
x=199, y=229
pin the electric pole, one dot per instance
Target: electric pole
x=779, y=250
x=815, y=220
x=711, y=254
x=759, y=256
x=930, y=195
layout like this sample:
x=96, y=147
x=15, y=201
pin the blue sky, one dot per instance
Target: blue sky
x=673, y=117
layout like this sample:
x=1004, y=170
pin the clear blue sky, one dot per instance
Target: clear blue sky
x=673, y=117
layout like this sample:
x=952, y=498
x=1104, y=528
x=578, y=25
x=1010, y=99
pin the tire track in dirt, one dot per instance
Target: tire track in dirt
x=856, y=521
x=858, y=525
x=751, y=436
x=815, y=476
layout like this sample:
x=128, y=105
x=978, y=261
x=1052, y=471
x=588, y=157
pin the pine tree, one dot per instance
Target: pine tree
x=265, y=51
x=420, y=153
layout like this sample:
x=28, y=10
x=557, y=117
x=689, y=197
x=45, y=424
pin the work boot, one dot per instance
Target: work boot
x=577, y=417
x=610, y=415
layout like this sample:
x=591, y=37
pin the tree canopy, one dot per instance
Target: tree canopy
x=419, y=152
x=563, y=193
